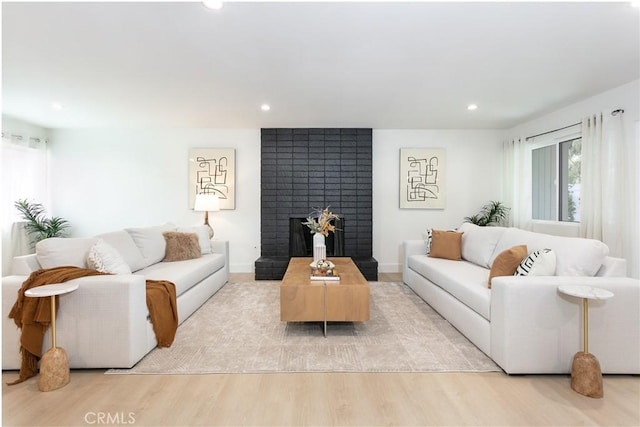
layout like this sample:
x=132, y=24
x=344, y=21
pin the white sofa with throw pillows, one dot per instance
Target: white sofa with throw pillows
x=105, y=322
x=519, y=318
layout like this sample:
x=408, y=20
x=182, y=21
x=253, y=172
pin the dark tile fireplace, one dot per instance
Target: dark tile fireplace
x=303, y=169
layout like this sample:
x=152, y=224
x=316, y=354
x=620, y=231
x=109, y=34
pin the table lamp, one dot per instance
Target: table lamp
x=207, y=203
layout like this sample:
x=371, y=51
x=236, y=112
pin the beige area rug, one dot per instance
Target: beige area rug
x=238, y=330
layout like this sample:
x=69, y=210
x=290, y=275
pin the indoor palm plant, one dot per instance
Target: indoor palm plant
x=37, y=225
x=493, y=213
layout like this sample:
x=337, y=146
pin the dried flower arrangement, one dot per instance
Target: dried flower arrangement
x=319, y=221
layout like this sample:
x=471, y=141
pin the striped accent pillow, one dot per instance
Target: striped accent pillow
x=539, y=263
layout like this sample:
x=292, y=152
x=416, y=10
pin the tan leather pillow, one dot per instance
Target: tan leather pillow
x=507, y=261
x=446, y=244
x=181, y=246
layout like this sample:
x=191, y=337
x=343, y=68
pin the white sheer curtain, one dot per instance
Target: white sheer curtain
x=632, y=242
x=24, y=176
x=604, y=194
x=610, y=187
x=517, y=181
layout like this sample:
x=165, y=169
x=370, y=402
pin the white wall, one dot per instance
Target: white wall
x=473, y=173
x=105, y=179
x=625, y=97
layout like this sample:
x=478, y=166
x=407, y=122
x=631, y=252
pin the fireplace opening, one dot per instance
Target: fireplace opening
x=301, y=239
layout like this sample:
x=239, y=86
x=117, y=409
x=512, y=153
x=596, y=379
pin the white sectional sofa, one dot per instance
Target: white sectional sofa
x=523, y=322
x=105, y=323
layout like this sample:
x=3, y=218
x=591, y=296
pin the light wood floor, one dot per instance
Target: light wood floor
x=292, y=399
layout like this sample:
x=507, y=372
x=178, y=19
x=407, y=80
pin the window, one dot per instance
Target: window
x=24, y=176
x=556, y=179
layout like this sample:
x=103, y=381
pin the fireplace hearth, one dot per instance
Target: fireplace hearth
x=303, y=169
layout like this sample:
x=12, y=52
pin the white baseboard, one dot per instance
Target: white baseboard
x=389, y=268
x=241, y=268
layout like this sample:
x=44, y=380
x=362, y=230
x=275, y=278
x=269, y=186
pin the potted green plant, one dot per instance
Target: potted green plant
x=493, y=213
x=37, y=225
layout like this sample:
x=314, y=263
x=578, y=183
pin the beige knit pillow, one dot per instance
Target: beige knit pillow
x=181, y=246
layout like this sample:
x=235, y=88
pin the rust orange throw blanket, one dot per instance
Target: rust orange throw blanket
x=33, y=315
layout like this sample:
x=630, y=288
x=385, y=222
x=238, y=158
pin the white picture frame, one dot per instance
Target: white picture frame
x=212, y=171
x=422, y=178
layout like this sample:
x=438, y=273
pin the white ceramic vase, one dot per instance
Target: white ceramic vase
x=319, y=248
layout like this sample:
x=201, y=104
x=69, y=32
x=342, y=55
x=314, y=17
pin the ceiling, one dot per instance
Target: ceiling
x=380, y=65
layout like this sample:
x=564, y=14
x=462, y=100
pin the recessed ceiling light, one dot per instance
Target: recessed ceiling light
x=265, y=107
x=472, y=107
x=213, y=4
x=56, y=106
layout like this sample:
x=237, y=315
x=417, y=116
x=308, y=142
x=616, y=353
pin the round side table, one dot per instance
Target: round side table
x=54, y=365
x=586, y=375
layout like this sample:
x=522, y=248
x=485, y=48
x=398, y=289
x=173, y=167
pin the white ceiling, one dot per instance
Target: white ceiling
x=379, y=65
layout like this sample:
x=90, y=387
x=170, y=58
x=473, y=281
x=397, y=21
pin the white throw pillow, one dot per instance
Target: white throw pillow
x=106, y=259
x=203, y=237
x=478, y=243
x=122, y=242
x=539, y=263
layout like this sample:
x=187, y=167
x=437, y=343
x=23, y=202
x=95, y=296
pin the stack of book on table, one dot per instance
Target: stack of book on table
x=324, y=276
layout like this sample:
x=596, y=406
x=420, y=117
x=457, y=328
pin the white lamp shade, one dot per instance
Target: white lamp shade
x=206, y=203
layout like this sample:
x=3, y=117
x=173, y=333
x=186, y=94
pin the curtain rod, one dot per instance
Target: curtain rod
x=613, y=113
x=20, y=137
x=551, y=131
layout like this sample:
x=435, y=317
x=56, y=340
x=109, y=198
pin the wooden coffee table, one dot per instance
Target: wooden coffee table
x=306, y=300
